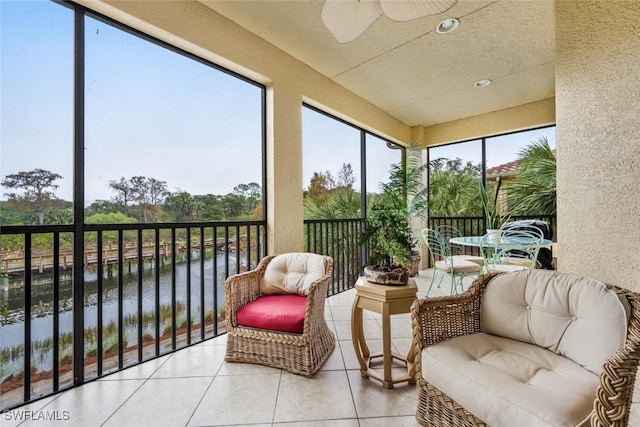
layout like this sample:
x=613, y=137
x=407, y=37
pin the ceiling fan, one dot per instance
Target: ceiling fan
x=348, y=19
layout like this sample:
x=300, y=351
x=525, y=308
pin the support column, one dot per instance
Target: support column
x=285, y=213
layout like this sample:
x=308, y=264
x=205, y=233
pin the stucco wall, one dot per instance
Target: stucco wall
x=527, y=116
x=598, y=139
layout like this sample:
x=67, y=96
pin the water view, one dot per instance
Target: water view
x=12, y=329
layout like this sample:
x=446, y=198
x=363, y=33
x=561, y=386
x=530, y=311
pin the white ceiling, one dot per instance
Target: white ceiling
x=406, y=68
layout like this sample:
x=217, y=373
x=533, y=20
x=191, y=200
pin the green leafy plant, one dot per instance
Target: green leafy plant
x=495, y=218
x=388, y=234
x=534, y=187
x=388, y=231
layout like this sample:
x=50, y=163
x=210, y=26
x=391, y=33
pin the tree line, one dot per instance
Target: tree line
x=136, y=199
x=453, y=188
x=453, y=191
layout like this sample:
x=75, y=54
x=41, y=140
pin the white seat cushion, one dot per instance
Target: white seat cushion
x=509, y=383
x=459, y=266
x=475, y=259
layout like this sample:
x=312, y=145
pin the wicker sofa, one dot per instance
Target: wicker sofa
x=528, y=348
x=275, y=313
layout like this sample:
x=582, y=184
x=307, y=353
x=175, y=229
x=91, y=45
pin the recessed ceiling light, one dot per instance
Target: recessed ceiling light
x=482, y=83
x=447, y=26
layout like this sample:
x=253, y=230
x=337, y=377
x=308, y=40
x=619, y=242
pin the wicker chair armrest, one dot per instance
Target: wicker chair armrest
x=438, y=319
x=316, y=296
x=612, y=406
x=241, y=289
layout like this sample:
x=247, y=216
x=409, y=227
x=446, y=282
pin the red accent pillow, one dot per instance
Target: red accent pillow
x=284, y=313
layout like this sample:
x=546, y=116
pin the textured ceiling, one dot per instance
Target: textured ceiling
x=406, y=68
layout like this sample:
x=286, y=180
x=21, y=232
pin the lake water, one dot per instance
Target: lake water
x=12, y=334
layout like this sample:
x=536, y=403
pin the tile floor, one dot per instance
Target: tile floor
x=196, y=387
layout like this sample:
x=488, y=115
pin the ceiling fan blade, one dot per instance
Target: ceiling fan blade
x=406, y=10
x=347, y=19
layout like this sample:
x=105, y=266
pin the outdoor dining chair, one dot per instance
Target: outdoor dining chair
x=517, y=250
x=545, y=256
x=444, y=264
x=457, y=251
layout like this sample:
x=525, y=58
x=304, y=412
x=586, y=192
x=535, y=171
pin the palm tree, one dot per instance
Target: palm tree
x=454, y=188
x=339, y=205
x=406, y=183
x=534, y=188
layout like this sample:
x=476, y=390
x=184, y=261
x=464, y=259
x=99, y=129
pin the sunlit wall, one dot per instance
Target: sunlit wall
x=598, y=93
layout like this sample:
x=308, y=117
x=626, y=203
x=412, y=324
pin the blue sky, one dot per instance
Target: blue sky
x=500, y=149
x=182, y=122
x=34, y=129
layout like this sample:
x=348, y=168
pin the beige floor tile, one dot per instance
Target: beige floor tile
x=240, y=368
x=401, y=345
x=401, y=326
x=634, y=417
x=342, y=299
x=195, y=361
x=252, y=425
x=332, y=326
x=335, y=362
x=238, y=400
x=163, y=402
x=325, y=396
x=342, y=312
x=89, y=405
x=349, y=355
x=141, y=371
x=14, y=417
x=342, y=329
x=218, y=341
x=372, y=329
x=329, y=423
x=372, y=400
x=389, y=422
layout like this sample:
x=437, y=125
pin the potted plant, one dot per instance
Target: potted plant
x=388, y=231
x=494, y=217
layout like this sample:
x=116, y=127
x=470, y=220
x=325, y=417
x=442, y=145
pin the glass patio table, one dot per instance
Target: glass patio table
x=477, y=241
x=499, y=247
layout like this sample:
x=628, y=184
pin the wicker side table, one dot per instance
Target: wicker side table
x=386, y=300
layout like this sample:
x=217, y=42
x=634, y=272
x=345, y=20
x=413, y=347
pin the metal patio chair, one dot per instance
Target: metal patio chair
x=444, y=264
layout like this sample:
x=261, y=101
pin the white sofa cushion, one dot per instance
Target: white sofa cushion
x=293, y=273
x=509, y=383
x=574, y=316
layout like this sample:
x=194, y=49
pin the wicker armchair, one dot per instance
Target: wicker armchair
x=442, y=318
x=300, y=353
